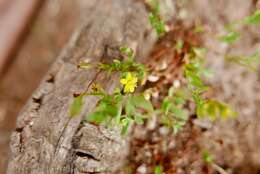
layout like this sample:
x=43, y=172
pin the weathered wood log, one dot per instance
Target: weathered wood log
x=47, y=140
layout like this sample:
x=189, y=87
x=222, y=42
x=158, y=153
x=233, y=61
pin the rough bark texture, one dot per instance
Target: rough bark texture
x=46, y=139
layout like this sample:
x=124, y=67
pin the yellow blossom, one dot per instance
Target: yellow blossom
x=129, y=82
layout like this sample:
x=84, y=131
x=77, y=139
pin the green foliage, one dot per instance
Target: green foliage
x=124, y=67
x=137, y=108
x=232, y=35
x=117, y=108
x=76, y=105
x=207, y=157
x=155, y=5
x=109, y=107
x=128, y=52
x=84, y=65
x=193, y=73
x=158, y=169
x=110, y=110
x=194, y=70
x=129, y=69
x=214, y=109
x=124, y=108
x=199, y=29
x=157, y=24
x=154, y=18
x=179, y=45
x=253, y=19
x=251, y=62
x=172, y=112
x=139, y=101
x=230, y=38
x=125, y=122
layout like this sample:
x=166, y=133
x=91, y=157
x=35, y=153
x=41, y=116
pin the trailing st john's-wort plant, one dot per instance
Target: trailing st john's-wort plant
x=250, y=61
x=124, y=107
x=154, y=17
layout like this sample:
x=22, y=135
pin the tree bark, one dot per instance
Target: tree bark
x=47, y=140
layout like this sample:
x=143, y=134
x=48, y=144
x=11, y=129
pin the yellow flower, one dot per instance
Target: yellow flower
x=129, y=83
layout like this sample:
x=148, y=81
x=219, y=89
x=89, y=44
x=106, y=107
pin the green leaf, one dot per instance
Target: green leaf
x=214, y=109
x=139, y=119
x=97, y=117
x=126, y=124
x=84, y=65
x=179, y=45
x=111, y=110
x=140, y=102
x=253, y=19
x=166, y=105
x=179, y=113
x=119, y=113
x=196, y=81
x=231, y=37
x=155, y=6
x=208, y=109
x=200, y=52
x=200, y=112
x=127, y=51
x=158, y=169
x=105, y=67
x=177, y=127
x=179, y=100
x=129, y=106
x=180, y=97
x=197, y=98
x=109, y=107
x=207, y=157
x=255, y=57
x=76, y=105
x=226, y=111
x=199, y=29
x=251, y=62
x=157, y=24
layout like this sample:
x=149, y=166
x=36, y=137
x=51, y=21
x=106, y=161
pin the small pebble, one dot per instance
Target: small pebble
x=176, y=83
x=163, y=130
x=153, y=78
x=142, y=169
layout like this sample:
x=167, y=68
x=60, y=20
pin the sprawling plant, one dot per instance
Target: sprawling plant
x=124, y=107
x=154, y=17
x=194, y=71
x=252, y=61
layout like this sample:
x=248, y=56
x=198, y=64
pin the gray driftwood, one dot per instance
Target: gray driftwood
x=47, y=140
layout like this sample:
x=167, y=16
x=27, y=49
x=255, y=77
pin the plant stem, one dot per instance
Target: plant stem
x=219, y=169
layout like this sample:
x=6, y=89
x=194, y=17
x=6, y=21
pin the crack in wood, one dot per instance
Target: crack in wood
x=85, y=154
